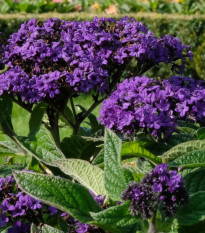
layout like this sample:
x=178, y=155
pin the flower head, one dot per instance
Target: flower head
x=159, y=186
x=151, y=106
x=47, y=58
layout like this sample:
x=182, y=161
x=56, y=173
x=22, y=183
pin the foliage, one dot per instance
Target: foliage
x=162, y=6
x=98, y=181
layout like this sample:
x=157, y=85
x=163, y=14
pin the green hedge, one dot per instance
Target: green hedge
x=191, y=29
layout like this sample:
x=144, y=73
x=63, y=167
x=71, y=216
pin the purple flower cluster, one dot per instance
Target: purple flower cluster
x=45, y=58
x=14, y=205
x=153, y=106
x=160, y=186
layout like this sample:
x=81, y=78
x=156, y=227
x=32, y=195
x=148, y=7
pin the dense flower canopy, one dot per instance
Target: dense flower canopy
x=159, y=186
x=47, y=57
x=151, y=106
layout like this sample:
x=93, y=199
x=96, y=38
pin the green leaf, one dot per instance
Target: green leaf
x=186, y=130
x=194, y=211
x=6, y=170
x=79, y=147
x=8, y=146
x=33, y=165
x=36, y=119
x=194, y=181
x=115, y=182
x=200, y=133
x=182, y=149
x=187, y=124
x=190, y=159
x=88, y=175
x=65, y=195
x=117, y=219
x=42, y=147
x=180, y=138
x=44, y=229
x=134, y=149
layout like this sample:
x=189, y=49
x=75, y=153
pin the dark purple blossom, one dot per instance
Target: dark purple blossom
x=151, y=106
x=46, y=58
x=19, y=227
x=159, y=186
x=3, y=220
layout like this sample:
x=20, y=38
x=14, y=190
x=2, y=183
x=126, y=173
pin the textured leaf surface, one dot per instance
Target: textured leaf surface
x=44, y=229
x=194, y=181
x=135, y=149
x=88, y=175
x=117, y=219
x=190, y=159
x=6, y=170
x=180, y=138
x=194, y=211
x=115, y=182
x=36, y=119
x=43, y=147
x=59, y=192
x=182, y=149
x=7, y=146
x=186, y=130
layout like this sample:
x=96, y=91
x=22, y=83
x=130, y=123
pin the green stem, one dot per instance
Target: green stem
x=152, y=228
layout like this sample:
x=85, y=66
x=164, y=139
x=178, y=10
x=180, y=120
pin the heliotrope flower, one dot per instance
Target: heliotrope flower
x=160, y=186
x=151, y=106
x=47, y=58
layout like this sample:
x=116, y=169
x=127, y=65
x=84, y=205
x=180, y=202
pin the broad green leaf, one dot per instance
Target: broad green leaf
x=7, y=146
x=117, y=219
x=186, y=130
x=194, y=181
x=88, y=175
x=182, y=149
x=187, y=124
x=115, y=182
x=6, y=170
x=136, y=173
x=135, y=149
x=200, y=133
x=180, y=138
x=36, y=119
x=194, y=211
x=65, y=195
x=44, y=229
x=79, y=147
x=42, y=147
x=191, y=159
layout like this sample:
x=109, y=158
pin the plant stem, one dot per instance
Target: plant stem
x=152, y=228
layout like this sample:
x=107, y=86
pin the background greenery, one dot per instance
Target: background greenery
x=120, y=6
